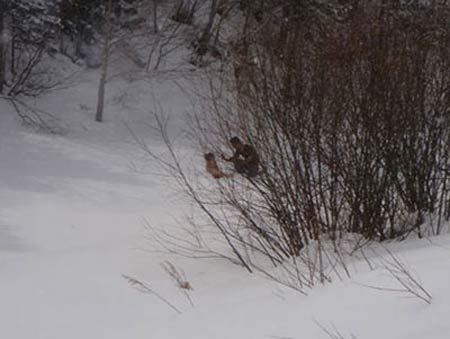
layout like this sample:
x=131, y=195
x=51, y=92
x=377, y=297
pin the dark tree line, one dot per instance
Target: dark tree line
x=32, y=28
x=24, y=27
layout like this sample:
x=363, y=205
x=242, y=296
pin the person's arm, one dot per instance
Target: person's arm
x=232, y=158
x=251, y=158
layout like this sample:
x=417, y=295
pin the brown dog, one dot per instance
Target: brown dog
x=212, y=168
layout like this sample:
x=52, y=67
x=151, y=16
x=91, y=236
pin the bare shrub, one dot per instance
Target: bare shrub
x=351, y=122
x=34, y=117
x=31, y=77
x=350, y=118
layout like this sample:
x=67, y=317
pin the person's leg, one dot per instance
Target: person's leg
x=251, y=171
x=239, y=167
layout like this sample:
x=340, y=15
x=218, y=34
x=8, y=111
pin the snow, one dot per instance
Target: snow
x=71, y=225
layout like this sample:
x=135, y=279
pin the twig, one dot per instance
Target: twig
x=142, y=287
x=332, y=333
x=179, y=277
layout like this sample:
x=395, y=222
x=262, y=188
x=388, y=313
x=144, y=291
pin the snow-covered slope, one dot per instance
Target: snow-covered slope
x=71, y=210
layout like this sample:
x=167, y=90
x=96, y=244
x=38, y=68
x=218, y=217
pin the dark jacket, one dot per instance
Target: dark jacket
x=249, y=155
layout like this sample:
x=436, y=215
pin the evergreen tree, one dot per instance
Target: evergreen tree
x=80, y=20
x=84, y=20
x=33, y=21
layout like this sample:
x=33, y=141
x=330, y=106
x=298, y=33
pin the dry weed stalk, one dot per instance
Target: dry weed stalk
x=179, y=277
x=409, y=284
x=402, y=274
x=333, y=333
x=144, y=288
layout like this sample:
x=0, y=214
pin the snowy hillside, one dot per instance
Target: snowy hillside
x=71, y=226
x=78, y=259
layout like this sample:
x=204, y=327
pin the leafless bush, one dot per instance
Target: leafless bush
x=30, y=77
x=350, y=118
x=34, y=117
x=251, y=246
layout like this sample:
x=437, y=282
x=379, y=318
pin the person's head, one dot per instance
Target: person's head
x=209, y=156
x=236, y=143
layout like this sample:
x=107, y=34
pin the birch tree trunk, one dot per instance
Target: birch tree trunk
x=155, y=16
x=2, y=45
x=12, y=61
x=104, y=73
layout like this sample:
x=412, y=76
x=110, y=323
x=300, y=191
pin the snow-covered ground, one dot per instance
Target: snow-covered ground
x=71, y=225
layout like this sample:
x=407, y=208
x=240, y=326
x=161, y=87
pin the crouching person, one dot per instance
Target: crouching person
x=245, y=158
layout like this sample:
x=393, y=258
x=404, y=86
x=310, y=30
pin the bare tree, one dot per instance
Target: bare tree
x=108, y=35
x=155, y=16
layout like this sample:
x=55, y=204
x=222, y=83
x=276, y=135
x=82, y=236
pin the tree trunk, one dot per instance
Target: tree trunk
x=155, y=16
x=2, y=47
x=13, y=51
x=206, y=35
x=78, y=44
x=104, y=74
